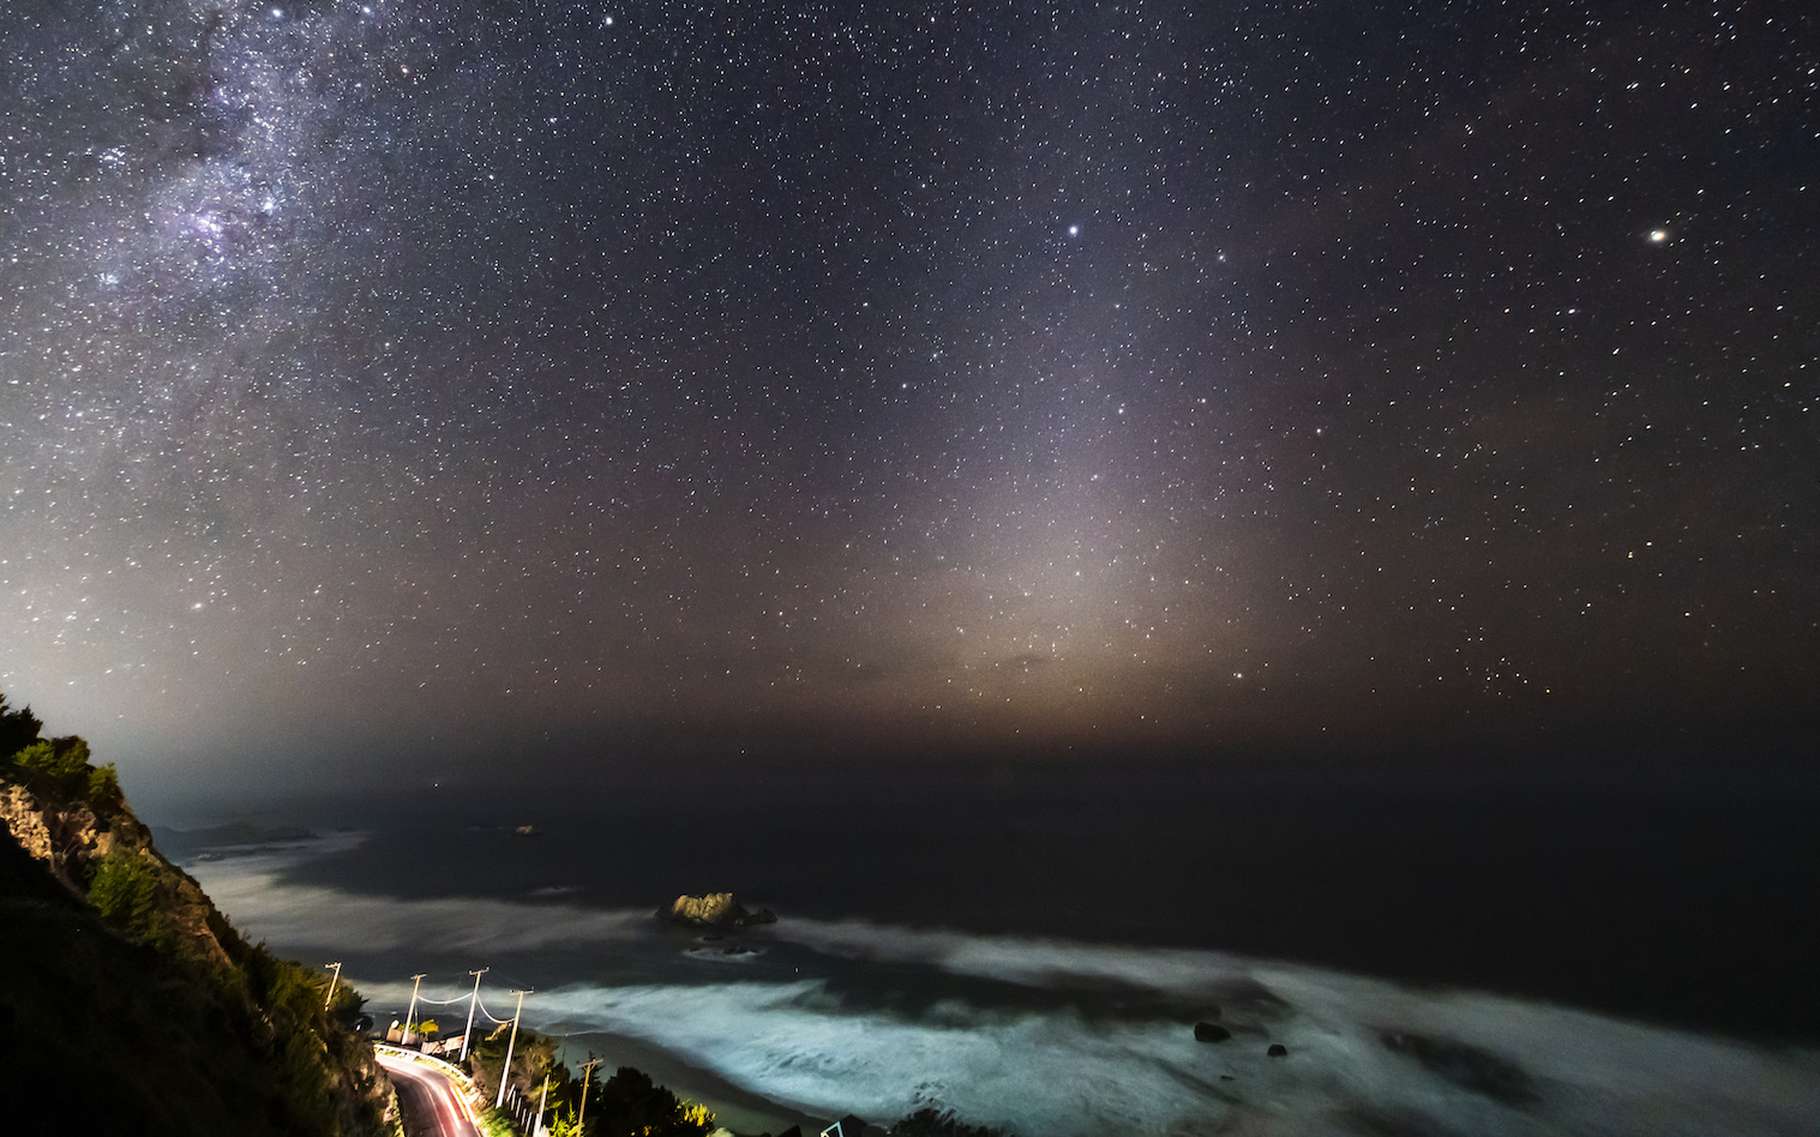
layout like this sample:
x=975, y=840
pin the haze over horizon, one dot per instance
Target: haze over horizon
x=400, y=391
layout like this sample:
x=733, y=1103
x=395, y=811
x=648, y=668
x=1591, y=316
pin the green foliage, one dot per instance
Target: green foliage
x=104, y=787
x=57, y=765
x=941, y=1123
x=238, y=1045
x=349, y=1002
x=126, y=891
x=46, y=759
x=534, y=1058
x=630, y=1102
x=18, y=729
x=561, y=1121
x=36, y=758
x=493, y=1123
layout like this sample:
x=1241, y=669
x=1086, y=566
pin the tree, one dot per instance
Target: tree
x=929, y=1122
x=18, y=729
x=57, y=764
x=125, y=890
x=631, y=1103
x=104, y=786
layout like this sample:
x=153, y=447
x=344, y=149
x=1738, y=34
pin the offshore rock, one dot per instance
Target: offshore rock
x=1210, y=1032
x=1277, y=1050
x=715, y=910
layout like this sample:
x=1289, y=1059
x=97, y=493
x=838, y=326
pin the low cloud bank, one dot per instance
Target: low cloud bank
x=253, y=891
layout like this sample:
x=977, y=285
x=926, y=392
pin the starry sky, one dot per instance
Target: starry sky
x=403, y=380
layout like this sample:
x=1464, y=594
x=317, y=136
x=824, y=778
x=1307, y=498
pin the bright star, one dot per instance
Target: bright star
x=1074, y=230
x=1657, y=236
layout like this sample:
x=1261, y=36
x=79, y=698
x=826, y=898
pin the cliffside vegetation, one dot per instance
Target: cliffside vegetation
x=135, y=1006
x=627, y=1101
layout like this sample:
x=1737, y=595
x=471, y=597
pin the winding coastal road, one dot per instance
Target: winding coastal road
x=431, y=1104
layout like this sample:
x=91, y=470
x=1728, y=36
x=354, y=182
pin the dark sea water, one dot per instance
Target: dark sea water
x=1037, y=956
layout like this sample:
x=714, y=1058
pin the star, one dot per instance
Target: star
x=506, y=339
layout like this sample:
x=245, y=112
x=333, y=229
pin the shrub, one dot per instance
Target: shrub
x=631, y=1103
x=125, y=890
x=60, y=764
x=104, y=786
x=18, y=729
x=929, y=1122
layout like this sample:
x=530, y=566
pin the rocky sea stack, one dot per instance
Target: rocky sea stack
x=714, y=910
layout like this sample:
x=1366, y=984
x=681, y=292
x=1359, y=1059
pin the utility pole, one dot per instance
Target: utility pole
x=506, y=1070
x=543, y=1099
x=473, y=1000
x=416, y=982
x=333, y=979
x=587, y=1080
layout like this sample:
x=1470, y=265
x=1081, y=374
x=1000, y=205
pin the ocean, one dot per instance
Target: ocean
x=1569, y=960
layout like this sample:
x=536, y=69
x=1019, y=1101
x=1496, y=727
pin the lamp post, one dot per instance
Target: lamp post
x=329, y=1000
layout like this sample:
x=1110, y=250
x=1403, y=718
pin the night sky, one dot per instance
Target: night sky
x=395, y=379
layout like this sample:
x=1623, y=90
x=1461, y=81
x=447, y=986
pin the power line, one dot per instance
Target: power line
x=473, y=1001
x=505, y=1070
x=416, y=982
x=483, y=1010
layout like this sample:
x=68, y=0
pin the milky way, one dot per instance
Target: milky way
x=1043, y=378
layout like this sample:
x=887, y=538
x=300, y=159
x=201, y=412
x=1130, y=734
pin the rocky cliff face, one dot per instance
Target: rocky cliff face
x=111, y=1036
x=129, y=963
x=72, y=838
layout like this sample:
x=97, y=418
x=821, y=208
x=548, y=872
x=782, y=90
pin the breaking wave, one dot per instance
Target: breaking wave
x=1052, y=1036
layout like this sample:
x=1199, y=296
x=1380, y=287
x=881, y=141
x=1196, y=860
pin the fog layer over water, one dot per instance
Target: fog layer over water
x=1044, y=1034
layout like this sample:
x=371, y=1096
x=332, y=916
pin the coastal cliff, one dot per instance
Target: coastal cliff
x=146, y=1011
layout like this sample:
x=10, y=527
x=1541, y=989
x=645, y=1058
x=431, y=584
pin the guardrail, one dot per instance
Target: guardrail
x=471, y=1098
x=448, y=1070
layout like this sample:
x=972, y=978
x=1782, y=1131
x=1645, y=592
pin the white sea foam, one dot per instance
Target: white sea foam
x=1059, y=1071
